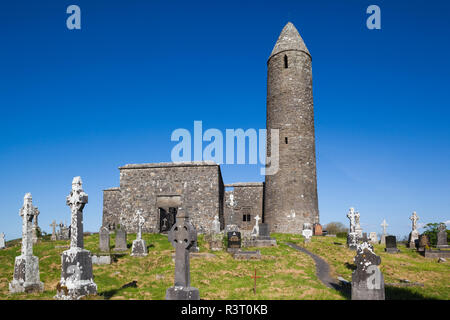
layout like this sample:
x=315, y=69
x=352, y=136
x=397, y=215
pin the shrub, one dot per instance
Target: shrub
x=335, y=228
x=342, y=234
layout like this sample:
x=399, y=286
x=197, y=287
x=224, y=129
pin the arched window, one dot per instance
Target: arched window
x=285, y=61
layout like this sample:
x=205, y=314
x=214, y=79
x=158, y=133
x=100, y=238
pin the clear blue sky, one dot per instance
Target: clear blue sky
x=84, y=102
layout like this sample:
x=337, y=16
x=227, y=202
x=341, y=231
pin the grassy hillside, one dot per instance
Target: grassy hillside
x=285, y=273
x=408, y=264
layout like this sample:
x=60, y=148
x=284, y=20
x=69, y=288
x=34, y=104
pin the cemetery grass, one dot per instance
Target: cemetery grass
x=408, y=264
x=284, y=273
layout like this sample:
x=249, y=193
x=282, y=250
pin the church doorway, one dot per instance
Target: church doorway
x=167, y=218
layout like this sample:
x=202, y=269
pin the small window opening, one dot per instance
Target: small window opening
x=286, y=140
x=285, y=61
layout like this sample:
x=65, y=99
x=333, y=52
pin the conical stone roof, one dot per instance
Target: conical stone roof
x=289, y=39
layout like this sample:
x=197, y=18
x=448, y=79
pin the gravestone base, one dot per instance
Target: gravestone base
x=262, y=242
x=233, y=250
x=392, y=250
x=443, y=246
x=360, y=291
x=99, y=260
x=247, y=255
x=76, y=276
x=428, y=253
x=413, y=244
x=182, y=293
x=19, y=282
x=139, y=248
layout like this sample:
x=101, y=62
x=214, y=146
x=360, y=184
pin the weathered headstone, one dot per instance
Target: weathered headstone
x=442, y=236
x=307, y=232
x=139, y=247
x=264, y=231
x=383, y=236
x=121, y=240
x=76, y=263
x=26, y=267
x=36, y=228
x=414, y=234
x=352, y=238
x=215, y=237
x=2, y=240
x=424, y=243
x=64, y=232
x=391, y=244
x=373, y=237
x=367, y=279
x=104, y=239
x=216, y=224
x=182, y=236
x=53, y=225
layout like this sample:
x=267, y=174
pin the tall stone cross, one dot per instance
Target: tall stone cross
x=384, y=225
x=414, y=219
x=35, y=225
x=53, y=225
x=27, y=213
x=141, y=221
x=351, y=216
x=76, y=201
x=357, y=215
x=182, y=236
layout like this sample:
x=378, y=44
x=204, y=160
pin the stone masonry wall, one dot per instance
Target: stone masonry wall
x=198, y=183
x=249, y=200
x=111, y=207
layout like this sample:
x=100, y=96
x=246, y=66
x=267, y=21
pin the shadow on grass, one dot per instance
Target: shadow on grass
x=108, y=294
x=398, y=293
x=391, y=292
x=350, y=266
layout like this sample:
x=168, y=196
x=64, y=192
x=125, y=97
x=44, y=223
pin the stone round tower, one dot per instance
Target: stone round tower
x=290, y=194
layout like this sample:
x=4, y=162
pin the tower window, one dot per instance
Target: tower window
x=246, y=217
x=286, y=140
x=285, y=61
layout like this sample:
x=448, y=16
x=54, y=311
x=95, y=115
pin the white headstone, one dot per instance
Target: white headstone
x=373, y=237
x=2, y=240
x=255, y=231
x=307, y=231
x=216, y=224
